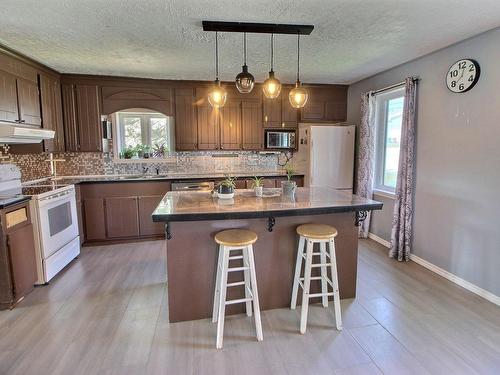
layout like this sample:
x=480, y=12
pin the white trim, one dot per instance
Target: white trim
x=385, y=194
x=441, y=272
x=380, y=240
x=457, y=280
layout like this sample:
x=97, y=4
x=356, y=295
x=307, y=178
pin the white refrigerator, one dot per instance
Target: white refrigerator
x=326, y=155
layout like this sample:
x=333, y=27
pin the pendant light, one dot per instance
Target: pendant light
x=217, y=94
x=245, y=80
x=272, y=86
x=298, y=96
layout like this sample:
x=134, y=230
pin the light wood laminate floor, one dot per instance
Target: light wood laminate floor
x=107, y=314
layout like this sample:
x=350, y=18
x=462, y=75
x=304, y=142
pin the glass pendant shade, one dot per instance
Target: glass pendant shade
x=271, y=87
x=298, y=96
x=217, y=95
x=245, y=81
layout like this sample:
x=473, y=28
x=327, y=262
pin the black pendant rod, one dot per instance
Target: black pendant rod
x=216, y=56
x=272, y=52
x=298, y=57
x=260, y=28
x=244, y=48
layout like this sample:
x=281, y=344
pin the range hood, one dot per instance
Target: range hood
x=12, y=134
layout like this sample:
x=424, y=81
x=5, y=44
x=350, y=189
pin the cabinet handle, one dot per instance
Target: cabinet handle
x=22, y=121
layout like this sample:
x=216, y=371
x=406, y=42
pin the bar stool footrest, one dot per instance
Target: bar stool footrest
x=241, y=300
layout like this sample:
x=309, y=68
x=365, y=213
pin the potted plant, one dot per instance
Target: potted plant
x=146, y=149
x=257, y=186
x=140, y=150
x=225, y=188
x=288, y=186
x=159, y=150
x=128, y=153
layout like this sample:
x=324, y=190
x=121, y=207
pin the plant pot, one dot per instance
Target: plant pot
x=225, y=192
x=258, y=191
x=288, y=187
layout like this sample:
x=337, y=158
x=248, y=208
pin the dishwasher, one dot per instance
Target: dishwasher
x=193, y=186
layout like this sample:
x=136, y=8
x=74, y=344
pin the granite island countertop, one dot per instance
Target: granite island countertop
x=194, y=206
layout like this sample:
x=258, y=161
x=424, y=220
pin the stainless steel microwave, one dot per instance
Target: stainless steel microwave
x=280, y=139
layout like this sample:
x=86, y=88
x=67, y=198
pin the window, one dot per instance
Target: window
x=388, y=117
x=142, y=134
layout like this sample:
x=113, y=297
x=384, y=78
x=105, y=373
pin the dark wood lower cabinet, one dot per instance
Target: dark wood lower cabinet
x=146, y=207
x=94, y=215
x=122, y=217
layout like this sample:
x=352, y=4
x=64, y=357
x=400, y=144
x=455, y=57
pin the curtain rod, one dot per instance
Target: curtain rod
x=415, y=79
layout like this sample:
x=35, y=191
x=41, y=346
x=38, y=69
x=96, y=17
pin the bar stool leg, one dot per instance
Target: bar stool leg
x=246, y=276
x=222, y=297
x=335, y=282
x=324, y=273
x=215, y=311
x=298, y=267
x=256, y=307
x=307, y=284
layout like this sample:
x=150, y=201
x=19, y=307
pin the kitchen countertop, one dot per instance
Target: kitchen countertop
x=194, y=206
x=148, y=177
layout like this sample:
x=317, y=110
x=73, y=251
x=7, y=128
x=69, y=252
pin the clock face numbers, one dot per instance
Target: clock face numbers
x=462, y=76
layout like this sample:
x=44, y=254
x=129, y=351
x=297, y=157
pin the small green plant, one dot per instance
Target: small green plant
x=129, y=152
x=257, y=181
x=290, y=172
x=229, y=182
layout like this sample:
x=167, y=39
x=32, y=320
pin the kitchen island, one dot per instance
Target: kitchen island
x=193, y=218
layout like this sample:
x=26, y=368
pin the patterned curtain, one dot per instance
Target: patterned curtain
x=366, y=155
x=402, y=220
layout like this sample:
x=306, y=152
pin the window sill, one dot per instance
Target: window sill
x=165, y=160
x=384, y=193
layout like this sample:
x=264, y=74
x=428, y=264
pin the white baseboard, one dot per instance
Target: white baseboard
x=380, y=240
x=457, y=280
x=447, y=275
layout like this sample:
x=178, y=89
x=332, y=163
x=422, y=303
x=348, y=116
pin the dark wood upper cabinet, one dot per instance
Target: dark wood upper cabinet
x=208, y=123
x=251, y=125
x=326, y=103
x=230, y=126
x=88, y=117
x=147, y=204
x=186, y=129
x=271, y=112
x=69, y=117
x=29, y=102
x=52, y=119
x=122, y=217
x=8, y=98
x=119, y=98
x=289, y=115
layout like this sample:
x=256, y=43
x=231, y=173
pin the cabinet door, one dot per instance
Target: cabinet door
x=230, y=126
x=122, y=217
x=147, y=204
x=272, y=112
x=69, y=117
x=95, y=225
x=29, y=102
x=50, y=93
x=314, y=110
x=186, y=129
x=88, y=117
x=22, y=256
x=289, y=115
x=251, y=125
x=208, y=128
x=8, y=98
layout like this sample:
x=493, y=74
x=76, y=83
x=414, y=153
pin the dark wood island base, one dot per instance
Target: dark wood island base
x=192, y=260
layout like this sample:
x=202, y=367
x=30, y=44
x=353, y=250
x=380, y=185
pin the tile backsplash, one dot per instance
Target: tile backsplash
x=35, y=166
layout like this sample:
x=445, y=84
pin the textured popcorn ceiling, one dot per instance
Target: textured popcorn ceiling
x=352, y=39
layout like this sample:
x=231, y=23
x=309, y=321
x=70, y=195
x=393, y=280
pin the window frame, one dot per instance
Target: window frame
x=381, y=112
x=146, y=131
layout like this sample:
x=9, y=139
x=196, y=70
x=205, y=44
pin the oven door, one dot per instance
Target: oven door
x=58, y=221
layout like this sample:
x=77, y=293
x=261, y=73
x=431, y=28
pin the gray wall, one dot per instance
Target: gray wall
x=457, y=196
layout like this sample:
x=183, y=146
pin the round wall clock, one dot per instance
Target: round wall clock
x=463, y=75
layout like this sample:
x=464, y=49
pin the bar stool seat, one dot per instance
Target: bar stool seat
x=241, y=240
x=317, y=231
x=236, y=237
x=324, y=236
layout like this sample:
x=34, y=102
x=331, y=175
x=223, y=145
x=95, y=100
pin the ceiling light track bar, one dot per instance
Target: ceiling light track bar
x=259, y=28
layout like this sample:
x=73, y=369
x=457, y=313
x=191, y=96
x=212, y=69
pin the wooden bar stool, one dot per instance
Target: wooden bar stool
x=316, y=234
x=230, y=240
